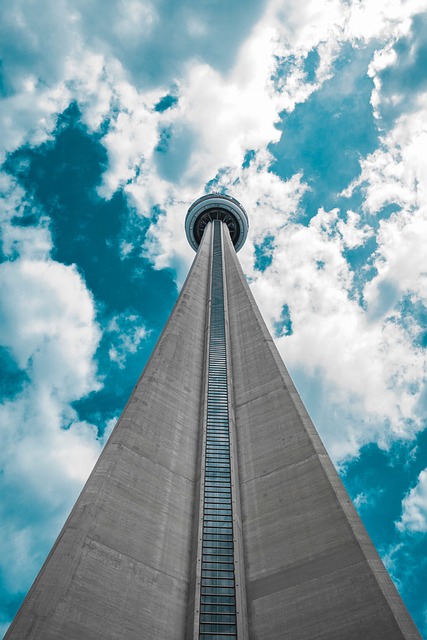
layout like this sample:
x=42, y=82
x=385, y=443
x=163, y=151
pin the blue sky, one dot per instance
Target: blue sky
x=114, y=118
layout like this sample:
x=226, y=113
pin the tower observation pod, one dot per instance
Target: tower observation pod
x=216, y=206
x=214, y=511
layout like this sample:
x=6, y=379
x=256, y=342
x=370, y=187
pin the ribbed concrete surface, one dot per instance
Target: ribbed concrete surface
x=311, y=570
x=120, y=568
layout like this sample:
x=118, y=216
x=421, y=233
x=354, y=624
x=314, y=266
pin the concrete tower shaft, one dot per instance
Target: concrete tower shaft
x=214, y=510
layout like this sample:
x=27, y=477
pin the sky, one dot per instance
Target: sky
x=114, y=118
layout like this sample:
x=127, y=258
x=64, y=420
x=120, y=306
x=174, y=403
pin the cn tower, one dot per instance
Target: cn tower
x=214, y=511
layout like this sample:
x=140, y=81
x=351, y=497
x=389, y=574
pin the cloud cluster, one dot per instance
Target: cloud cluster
x=77, y=51
x=126, y=333
x=50, y=335
x=414, y=515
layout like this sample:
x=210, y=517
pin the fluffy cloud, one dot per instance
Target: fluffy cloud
x=217, y=119
x=48, y=327
x=48, y=324
x=159, y=147
x=414, y=515
x=396, y=171
x=132, y=136
x=17, y=239
x=385, y=20
x=126, y=333
x=88, y=51
x=96, y=60
x=30, y=116
x=367, y=499
x=220, y=117
x=33, y=70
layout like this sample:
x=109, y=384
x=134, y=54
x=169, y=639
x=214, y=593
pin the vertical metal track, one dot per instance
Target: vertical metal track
x=218, y=580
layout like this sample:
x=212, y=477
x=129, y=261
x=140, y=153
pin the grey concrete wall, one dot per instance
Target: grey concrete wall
x=311, y=569
x=121, y=565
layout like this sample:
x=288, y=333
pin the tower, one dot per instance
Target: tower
x=214, y=510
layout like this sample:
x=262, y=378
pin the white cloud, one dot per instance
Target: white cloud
x=228, y=114
x=111, y=423
x=126, y=332
x=232, y=114
x=48, y=326
x=414, y=507
x=392, y=558
x=30, y=116
x=88, y=54
x=90, y=79
x=32, y=241
x=387, y=20
x=131, y=138
x=35, y=47
x=44, y=468
x=367, y=498
x=396, y=173
x=224, y=114
x=353, y=232
x=35, y=43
